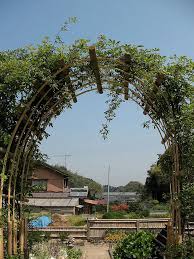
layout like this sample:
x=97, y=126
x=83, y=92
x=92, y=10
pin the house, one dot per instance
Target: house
x=51, y=191
x=65, y=206
x=46, y=178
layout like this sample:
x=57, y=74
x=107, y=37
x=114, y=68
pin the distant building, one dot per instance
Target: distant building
x=123, y=197
x=47, y=178
x=51, y=191
x=79, y=192
x=67, y=206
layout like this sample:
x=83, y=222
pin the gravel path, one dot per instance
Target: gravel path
x=92, y=251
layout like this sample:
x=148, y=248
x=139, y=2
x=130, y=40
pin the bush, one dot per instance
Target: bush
x=47, y=250
x=133, y=215
x=115, y=236
x=114, y=215
x=74, y=253
x=35, y=237
x=181, y=251
x=63, y=236
x=135, y=207
x=145, y=213
x=136, y=245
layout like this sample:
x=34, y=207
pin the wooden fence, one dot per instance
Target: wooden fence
x=96, y=228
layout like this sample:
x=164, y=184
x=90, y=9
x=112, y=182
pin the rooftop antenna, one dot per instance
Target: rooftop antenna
x=65, y=155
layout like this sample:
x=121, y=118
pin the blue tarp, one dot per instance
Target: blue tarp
x=41, y=222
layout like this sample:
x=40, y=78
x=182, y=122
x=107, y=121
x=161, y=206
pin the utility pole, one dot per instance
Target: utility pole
x=108, y=191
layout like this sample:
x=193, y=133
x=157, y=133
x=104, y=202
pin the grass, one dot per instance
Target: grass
x=76, y=220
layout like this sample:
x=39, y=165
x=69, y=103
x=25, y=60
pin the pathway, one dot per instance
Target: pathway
x=95, y=251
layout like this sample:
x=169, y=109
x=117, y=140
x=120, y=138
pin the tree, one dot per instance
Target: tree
x=157, y=184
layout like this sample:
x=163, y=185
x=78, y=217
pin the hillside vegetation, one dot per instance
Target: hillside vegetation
x=76, y=180
x=132, y=186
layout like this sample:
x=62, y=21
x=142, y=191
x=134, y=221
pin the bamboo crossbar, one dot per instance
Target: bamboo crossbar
x=95, y=68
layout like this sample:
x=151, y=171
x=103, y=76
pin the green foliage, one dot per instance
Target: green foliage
x=63, y=236
x=14, y=257
x=136, y=245
x=135, y=207
x=132, y=186
x=114, y=215
x=76, y=220
x=181, y=251
x=36, y=237
x=46, y=250
x=74, y=253
x=157, y=182
x=133, y=215
x=187, y=201
x=76, y=180
x=114, y=236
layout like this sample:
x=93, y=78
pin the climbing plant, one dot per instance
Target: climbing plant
x=38, y=82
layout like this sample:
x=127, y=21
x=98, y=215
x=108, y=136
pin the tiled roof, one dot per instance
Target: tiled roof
x=95, y=202
x=50, y=195
x=39, y=202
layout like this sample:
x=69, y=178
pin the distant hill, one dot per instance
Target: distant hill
x=132, y=186
x=76, y=180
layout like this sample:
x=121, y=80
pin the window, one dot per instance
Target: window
x=39, y=185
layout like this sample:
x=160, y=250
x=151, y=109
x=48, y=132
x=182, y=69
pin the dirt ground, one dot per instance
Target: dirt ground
x=94, y=251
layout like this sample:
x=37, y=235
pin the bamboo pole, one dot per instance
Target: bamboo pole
x=9, y=238
x=126, y=91
x=15, y=237
x=25, y=238
x=1, y=220
x=22, y=236
x=95, y=68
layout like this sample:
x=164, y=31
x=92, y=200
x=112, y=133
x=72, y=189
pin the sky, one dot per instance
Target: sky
x=130, y=149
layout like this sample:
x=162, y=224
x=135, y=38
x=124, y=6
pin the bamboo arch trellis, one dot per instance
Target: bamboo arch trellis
x=48, y=101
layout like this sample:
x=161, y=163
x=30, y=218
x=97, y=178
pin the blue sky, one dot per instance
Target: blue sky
x=130, y=149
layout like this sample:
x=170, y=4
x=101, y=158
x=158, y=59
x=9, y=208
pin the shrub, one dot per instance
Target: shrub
x=74, y=253
x=47, y=250
x=145, y=213
x=135, y=245
x=41, y=251
x=181, y=251
x=133, y=215
x=135, y=207
x=63, y=236
x=114, y=215
x=115, y=236
x=35, y=237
